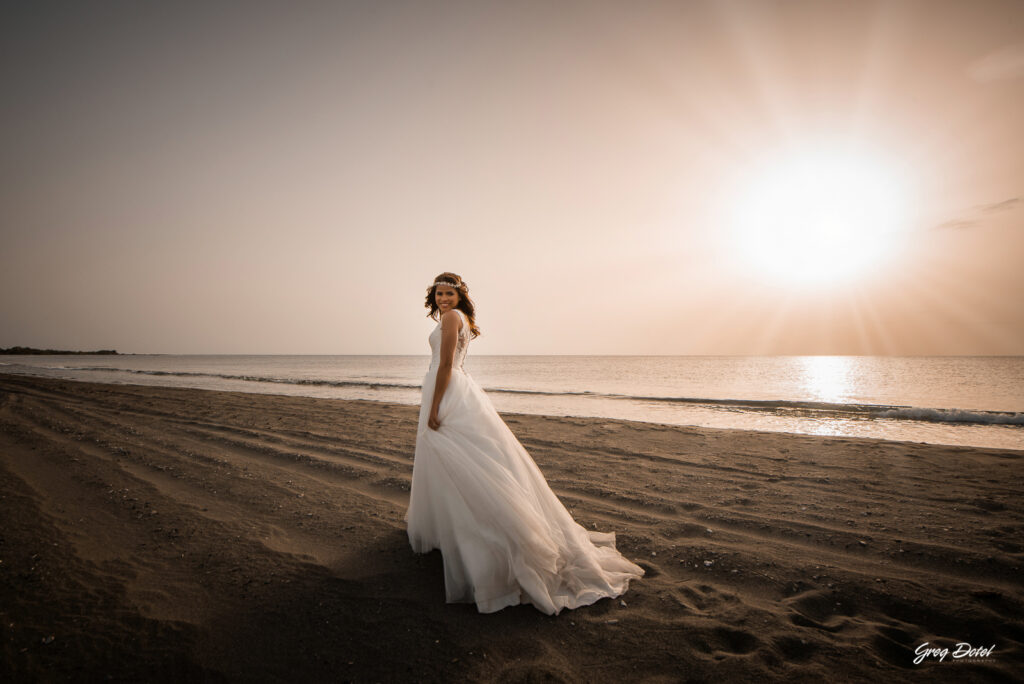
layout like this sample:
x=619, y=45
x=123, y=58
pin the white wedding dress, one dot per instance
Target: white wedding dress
x=479, y=498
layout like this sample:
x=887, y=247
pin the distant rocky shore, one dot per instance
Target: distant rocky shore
x=30, y=350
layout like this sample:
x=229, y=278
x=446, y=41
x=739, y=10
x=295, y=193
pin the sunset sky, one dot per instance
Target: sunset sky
x=609, y=178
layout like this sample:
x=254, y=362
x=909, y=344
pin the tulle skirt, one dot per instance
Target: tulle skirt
x=506, y=539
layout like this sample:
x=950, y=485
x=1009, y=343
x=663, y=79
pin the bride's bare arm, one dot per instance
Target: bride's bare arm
x=450, y=324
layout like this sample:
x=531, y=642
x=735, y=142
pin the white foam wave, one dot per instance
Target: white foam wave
x=954, y=416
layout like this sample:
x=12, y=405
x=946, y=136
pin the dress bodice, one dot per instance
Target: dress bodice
x=461, y=344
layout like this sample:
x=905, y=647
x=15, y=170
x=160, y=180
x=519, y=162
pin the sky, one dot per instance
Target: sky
x=699, y=177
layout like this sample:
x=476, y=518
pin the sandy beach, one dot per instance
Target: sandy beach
x=161, y=534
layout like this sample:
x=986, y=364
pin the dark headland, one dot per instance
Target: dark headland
x=54, y=352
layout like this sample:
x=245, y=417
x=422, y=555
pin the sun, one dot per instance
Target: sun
x=821, y=216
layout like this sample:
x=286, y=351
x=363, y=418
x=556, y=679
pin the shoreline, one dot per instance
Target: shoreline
x=497, y=397
x=159, y=533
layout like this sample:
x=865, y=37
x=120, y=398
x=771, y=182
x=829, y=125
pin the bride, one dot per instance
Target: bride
x=479, y=497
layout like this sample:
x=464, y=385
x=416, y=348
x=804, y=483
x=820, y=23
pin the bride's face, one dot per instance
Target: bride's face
x=446, y=298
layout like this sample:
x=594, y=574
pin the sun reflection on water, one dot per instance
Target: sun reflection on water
x=828, y=378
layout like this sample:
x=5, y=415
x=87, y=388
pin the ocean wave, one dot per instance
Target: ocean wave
x=856, y=411
x=765, y=404
x=546, y=393
x=930, y=415
x=371, y=384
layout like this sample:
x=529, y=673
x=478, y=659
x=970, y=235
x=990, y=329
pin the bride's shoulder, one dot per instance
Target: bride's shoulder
x=452, y=317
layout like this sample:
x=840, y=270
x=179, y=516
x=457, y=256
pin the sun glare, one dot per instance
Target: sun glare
x=821, y=217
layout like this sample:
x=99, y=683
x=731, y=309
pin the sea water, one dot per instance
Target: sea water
x=964, y=400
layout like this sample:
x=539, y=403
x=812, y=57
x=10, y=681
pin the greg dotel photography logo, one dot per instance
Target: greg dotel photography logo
x=961, y=651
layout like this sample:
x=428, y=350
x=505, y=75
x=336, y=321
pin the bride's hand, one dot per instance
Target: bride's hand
x=433, y=422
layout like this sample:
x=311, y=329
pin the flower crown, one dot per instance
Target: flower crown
x=446, y=283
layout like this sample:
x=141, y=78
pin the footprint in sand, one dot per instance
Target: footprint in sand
x=795, y=649
x=723, y=640
x=819, y=610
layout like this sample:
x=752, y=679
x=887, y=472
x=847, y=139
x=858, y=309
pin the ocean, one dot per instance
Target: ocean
x=975, y=401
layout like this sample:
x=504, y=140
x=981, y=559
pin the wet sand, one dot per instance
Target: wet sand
x=162, y=534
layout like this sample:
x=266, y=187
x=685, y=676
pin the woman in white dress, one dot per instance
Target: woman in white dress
x=479, y=497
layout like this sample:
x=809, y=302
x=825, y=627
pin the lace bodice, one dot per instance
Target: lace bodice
x=461, y=345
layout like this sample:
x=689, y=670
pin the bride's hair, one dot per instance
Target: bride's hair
x=465, y=303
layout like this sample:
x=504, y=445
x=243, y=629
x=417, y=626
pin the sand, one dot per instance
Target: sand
x=163, y=534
